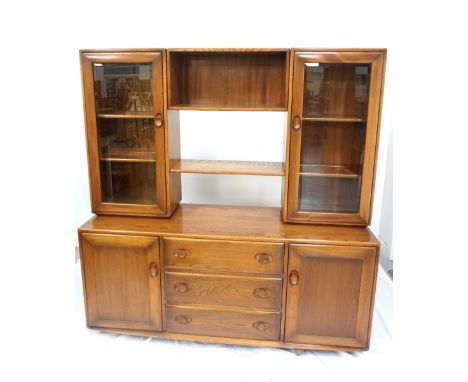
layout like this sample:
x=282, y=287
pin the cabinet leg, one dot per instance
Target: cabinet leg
x=298, y=352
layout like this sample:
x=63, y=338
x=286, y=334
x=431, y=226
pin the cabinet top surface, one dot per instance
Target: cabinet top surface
x=230, y=223
x=208, y=50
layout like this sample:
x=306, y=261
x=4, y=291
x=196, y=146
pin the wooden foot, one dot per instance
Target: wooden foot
x=297, y=351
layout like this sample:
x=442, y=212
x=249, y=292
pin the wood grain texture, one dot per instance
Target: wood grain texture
x=172, y=141
x=331, y=302
x=233, y=323
x=228, y=79
x=194, y=166
x=223, y=290
x=224, y=255
x=120, y=290
x=260, y=224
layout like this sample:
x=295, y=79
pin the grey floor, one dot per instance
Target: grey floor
x=387, y=265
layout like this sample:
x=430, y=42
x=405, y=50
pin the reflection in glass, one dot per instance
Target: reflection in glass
x=126, y=138
x=336, y=90
x=123, y=88
x=329, y=194
x=125, y=127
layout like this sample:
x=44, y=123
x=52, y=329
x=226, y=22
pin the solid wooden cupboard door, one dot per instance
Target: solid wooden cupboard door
x=329, y=294
x=122, y=284
x=334, y=120
x=124, y=108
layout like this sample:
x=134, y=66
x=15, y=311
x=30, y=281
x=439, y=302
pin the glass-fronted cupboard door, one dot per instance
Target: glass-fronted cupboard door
x=333, y=135
x=124, y=107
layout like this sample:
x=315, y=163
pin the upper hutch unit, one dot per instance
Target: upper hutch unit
x=332, y=97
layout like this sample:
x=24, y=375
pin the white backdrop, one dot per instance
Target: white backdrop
x=42, y=140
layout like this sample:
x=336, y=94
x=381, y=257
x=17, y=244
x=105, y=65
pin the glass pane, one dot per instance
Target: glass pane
x=125, y=129
x=126, y=138
x=336, y=90
x=331, y=166
x=123, y=89
x=128, y=182
x=329, y=194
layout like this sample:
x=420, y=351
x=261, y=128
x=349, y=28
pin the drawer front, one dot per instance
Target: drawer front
x=220, y=255
x=226, y=290
x=223, y=323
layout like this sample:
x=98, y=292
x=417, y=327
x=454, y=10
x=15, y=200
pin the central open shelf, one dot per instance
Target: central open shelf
x=194, y=166
x=228, y=80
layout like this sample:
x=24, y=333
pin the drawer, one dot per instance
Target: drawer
x=220, y=255
x=223, y=323
x=226, y=290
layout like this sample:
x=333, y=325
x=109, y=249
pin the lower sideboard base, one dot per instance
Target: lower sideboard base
x=230, y=341
x=301, y=287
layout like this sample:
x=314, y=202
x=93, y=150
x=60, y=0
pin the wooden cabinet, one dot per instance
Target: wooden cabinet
x=334, y=119
x=238, y=275
x=251, y=283
x=330, y=291
x=121, y=277
x=124, y=106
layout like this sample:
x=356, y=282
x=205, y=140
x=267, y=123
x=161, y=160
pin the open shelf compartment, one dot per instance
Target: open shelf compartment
x=228, y=79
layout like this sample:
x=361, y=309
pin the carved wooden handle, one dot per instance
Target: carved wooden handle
x=297, y=123
x=183, y=320
x=293, y=278
x=263, y=258
x=262, y=293
x=181, y=287
x=158, y=120
x=182, y=253
x=261, y=326
x=153, y=270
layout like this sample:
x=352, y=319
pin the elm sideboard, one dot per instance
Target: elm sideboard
x=302, y=276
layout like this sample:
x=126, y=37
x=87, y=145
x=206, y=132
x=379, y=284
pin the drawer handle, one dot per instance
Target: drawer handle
x=153, y=270
x=262, y=293
x=182, y=253
x=181, y=287
x=261, y=326
x=294, y=278
x=263, y=258
x=183, y=320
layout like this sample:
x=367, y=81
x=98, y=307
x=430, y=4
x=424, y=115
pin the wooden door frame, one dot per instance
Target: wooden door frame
x=369, y=258
x=90, y=240
x=376, y=59
x=157, y=60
